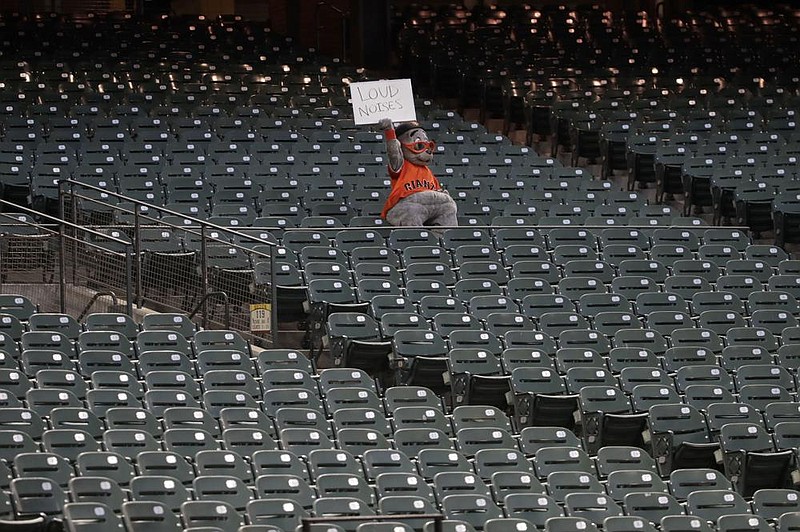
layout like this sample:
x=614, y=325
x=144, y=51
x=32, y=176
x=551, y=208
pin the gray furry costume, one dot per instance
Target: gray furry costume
x=416, y=198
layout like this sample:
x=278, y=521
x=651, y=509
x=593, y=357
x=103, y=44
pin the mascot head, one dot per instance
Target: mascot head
x=417, y=148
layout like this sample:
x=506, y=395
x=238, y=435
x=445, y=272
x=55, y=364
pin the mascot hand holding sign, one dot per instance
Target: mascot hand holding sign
x=416, y=198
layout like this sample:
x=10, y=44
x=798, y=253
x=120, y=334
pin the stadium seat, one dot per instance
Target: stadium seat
x=679, y=438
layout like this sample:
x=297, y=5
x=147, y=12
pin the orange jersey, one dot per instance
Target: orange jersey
x=410, y=179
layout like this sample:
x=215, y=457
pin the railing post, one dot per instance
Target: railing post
x=204, y=273
x=74, y=214
x=62, y=266
x=128, y=284
x=438, y=524
x=137, y=249
x=273, y=300
x=227, y=312
x=61, y=196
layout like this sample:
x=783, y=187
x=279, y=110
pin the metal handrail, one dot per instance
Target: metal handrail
x=202, y=225
x=95, y=297
x=72, y=183
x=201, y=304
x=55, y=221
x=56, y=227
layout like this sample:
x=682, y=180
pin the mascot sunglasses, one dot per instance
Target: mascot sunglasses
x=420, y=146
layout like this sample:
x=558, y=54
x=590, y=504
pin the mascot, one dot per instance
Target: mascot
x=416, y=198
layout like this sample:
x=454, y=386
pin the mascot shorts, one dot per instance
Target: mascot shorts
x=426, y=208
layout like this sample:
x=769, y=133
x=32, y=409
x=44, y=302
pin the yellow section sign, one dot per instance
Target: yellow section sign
x=260, y=317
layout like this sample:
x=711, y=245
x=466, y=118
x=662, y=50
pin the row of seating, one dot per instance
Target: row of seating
x=478, y=297
x=20, y=315
x=60, y=334
x=531, y=502
x=477, y=510
x=531, y=293
x=717, y=245
x=739, y=120
x=670, y=253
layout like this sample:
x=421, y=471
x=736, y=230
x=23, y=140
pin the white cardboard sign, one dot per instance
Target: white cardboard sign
x=387, y=98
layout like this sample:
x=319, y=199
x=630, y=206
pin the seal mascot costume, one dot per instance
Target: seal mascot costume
x=416, y=198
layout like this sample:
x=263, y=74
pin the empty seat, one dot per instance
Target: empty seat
x=282, y=513
x=341, y=507
x=680, y=438
x=46, y=465
x=652, y=506
x=541, y=398
x=591, y=506
x=701, y=374
x=402, y=485
x=303, y=441
x=476, y=377
x=548, y=460
x=764, y=374
x=111, y=321
x=420, y=358
x=760, y=396
x=471, y=508
x=18, y=306
x=728, y=523
x=607, y=418
x=627, y=523
x=507, y=475
x=356, y=341
x=408, y=505
x=165, y=490
x=772, y=503
x=146, y=515
x=713, y=504
x=536, y=509
x=675, y=523
x=212, y=513
x=682, y=482
x=91, y=517
x=412, y=440
x=750, y=458
x=432, y=461
x=34, y=496
x=227, y=489
x=176, y=322
x=62, y=323
x=720, y=414
x=276, y=485
x=69, y=443
x=346, y=485
x=222, y=463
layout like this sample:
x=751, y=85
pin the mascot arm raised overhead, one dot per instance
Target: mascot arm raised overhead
x=416, y=198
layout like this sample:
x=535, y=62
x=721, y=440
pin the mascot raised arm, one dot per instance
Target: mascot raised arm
x=416, y=198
